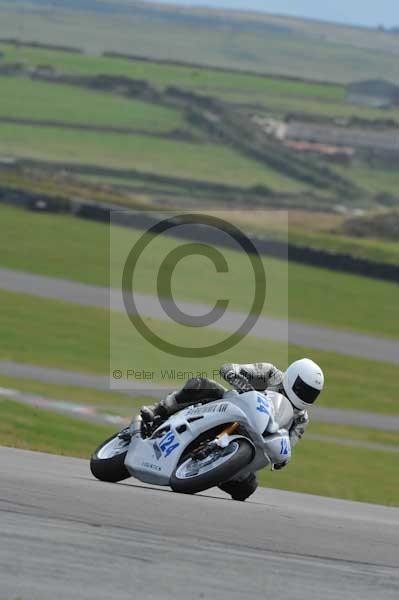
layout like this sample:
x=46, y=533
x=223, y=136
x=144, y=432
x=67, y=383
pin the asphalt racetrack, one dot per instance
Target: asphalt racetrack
x=65, y=535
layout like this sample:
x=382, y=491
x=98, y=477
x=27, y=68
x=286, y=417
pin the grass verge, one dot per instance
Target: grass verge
x=57, y=334
x=357, y=434
x=327, y=469
x=105, y=401
x=37, y=429
x=70, y=248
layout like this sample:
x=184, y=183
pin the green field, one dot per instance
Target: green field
x=209, y=162
x=66, y=247
x=375, y=180
x=277, y=95
x=163, y=75
x=37, y=100
x=77, y=338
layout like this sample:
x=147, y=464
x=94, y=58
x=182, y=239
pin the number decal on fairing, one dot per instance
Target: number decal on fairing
x=262, y=405
x=284, y=447
x=167, y=445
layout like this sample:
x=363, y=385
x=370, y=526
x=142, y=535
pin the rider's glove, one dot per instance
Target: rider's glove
x=241, y=384
x=299, y=424
x=233, y=376
x=228, y=372
x=298, y=427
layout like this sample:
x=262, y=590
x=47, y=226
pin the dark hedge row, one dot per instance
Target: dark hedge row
x=278, y=249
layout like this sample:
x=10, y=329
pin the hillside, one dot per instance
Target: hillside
x=152, y=133
x=248, y=41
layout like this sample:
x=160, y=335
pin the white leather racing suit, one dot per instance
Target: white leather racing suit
x=266, y=376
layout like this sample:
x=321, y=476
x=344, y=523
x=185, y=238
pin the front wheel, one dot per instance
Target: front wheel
x=195, y=474
x=108, y=461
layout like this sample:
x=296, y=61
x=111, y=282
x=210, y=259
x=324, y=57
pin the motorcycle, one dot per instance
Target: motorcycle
x=201, y=446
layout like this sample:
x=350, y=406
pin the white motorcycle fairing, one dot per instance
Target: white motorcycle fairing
x=153, y=460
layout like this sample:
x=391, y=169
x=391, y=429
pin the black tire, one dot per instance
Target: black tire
x=109, y=469
x=214, y=477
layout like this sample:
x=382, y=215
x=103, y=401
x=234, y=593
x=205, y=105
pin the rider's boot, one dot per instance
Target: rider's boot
x=240, y=490
x=152, y=417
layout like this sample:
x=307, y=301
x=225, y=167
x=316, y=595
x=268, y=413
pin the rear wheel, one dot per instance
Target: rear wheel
x=196, y=473
x=108, y=461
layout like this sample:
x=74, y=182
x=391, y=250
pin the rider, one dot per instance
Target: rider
x=301, y=383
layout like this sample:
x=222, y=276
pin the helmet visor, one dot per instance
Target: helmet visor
x=305, y=392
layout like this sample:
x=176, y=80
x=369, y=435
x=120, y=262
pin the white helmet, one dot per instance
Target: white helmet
x=303, y=382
